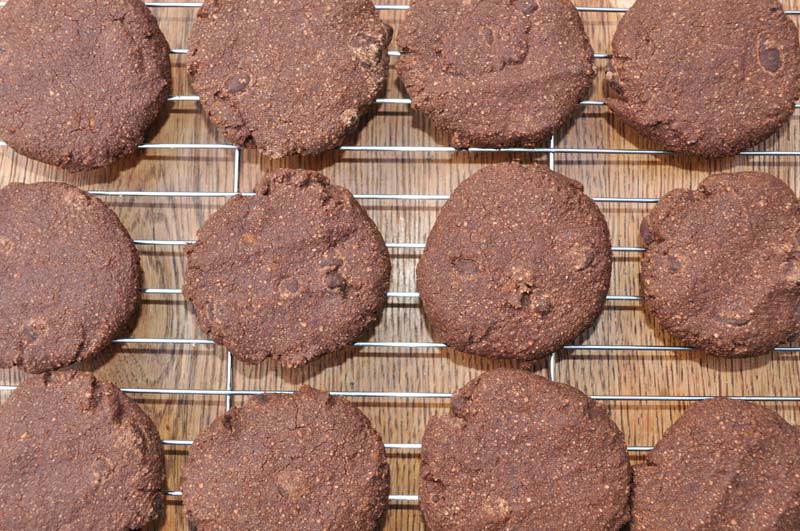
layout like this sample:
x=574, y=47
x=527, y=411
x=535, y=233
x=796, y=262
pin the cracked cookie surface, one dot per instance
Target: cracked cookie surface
x=69, y=273
x=705, y=77
x=725, y=465
x=518, y=451
x=295, y=272
x=517, y=264
x=495, y=73
x=77, y=454
x=722, y=266
x=80, y=82
x=289, y=76
x=288, y=462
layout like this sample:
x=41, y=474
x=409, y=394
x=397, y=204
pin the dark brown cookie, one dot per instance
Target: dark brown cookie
x=517, y=264
x=705, y=77
x=80, y=81
x=298, y=271
x=69, y=273
x=301, y=461
x=77, y=454
x=521, y=452
x=722, y=267
x=726, y=465
x=495, y=73
x=293, y=78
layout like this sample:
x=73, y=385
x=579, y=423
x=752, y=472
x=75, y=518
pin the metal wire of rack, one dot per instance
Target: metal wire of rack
x=229, y=392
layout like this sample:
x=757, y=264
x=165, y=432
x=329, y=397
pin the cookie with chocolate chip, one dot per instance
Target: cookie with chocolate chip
x=726, y=465
x=77, y=454
x=69, y=273
x=518, y=451
x=517, y=264
x=705, y=77
x=295, y=272
x=495, y=73
x=293, y=78
x=288, y=462
x=80, y=82
x=722, y=266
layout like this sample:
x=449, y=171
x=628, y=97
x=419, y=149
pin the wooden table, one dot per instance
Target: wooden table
x=620, y=372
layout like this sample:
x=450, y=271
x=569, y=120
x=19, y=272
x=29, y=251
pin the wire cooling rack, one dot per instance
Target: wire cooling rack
x=236, y=153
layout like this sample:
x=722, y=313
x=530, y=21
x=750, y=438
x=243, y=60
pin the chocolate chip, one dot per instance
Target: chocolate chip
x=527, y=6
x=330, y=263
x=770, y=59
x=288, y=286
x=488, y=36
x=735, y=319
x=585, y=258
x=466, y=266
x=525, y=300
x=237, y=83
x=30, y=332
x=334, y=280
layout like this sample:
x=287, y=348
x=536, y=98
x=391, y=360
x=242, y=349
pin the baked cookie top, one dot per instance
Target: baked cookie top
x=293, y=77
x=288, y=462
x=517, y=264
x=295, y=272
x=722, y=266
x=495, y=73
x=705, y=77
x=69, y=273
x=80, y=82
x=518, y=451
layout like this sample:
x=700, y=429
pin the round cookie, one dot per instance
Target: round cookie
x=69, y=273
x=517, y=264
x=495, y=73
x=293, y=78
x=77, y=454
x=705, y=77
x=80, y=82
x=725, y=465
x=298, y=271
x=722, y=266
x=301, y=461
x=518, y=451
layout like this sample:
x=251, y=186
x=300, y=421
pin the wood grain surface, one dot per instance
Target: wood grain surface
x=606, y=371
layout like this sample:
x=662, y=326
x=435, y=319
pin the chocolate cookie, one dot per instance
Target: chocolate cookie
x=80, y=82
x=495, y=73
x=293, y=78
x=301, y=461
x=298, y=271
x=521, y=452
x=725, y=465
x=69, y=273
x=705, y=77
x=77, y=454
x=722, y=266
x=517, y=264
